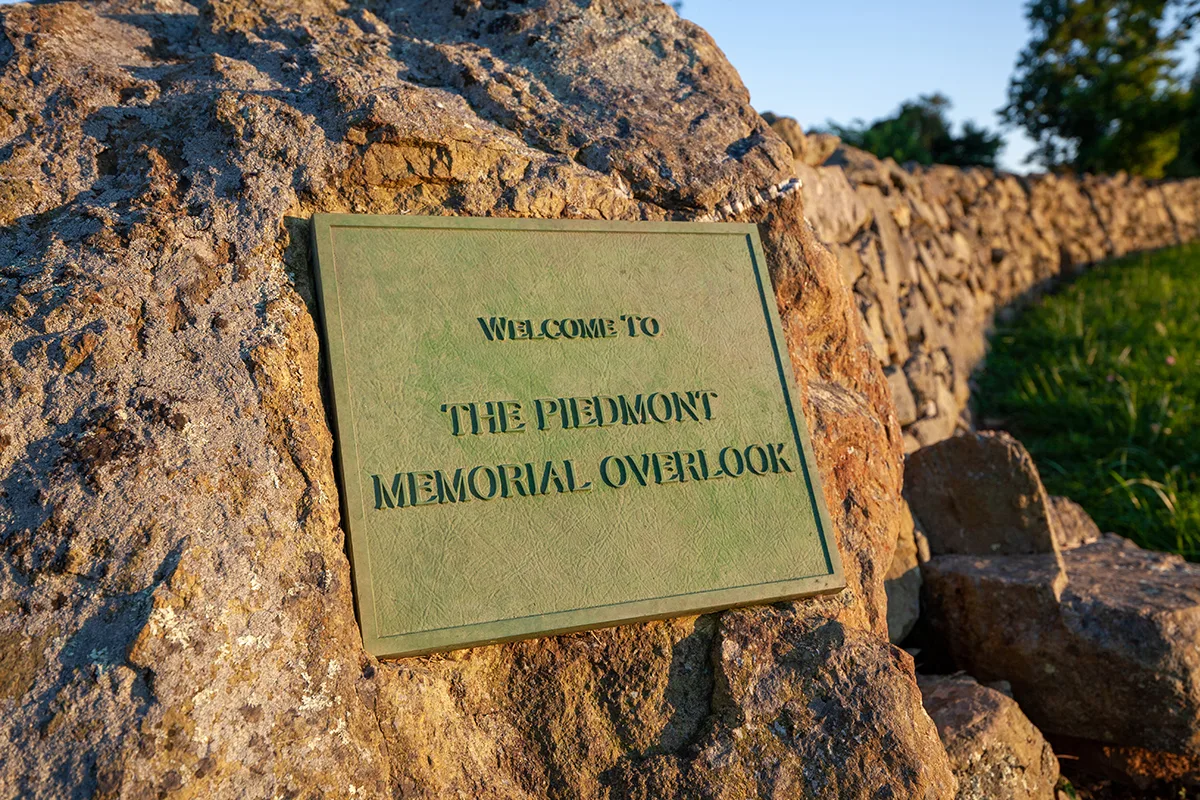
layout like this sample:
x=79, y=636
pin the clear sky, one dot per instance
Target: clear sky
x=817, y=61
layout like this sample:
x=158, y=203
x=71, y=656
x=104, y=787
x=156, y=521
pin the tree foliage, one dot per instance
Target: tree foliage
x=1187, y=163
x=1097, y=87
x=920, y=131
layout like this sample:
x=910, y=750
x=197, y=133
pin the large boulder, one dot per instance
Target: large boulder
x=996, y=752
x=1109, y=655
x=1099, y=638
x=980, y=494
x=177, y=615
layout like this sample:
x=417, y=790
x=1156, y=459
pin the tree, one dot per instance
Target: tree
x=920, y=131
x=1097, y=86
x=1187, y=163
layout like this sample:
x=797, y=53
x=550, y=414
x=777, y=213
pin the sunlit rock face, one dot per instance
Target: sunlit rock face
x=178, y=618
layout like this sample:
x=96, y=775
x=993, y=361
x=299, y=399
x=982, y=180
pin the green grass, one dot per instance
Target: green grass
x=1101, y=381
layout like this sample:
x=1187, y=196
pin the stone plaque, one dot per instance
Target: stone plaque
x=546, y=426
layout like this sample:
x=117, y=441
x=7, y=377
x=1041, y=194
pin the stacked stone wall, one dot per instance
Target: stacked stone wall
x=934, y=253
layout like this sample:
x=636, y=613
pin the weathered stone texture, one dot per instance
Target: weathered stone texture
x=1108, y=654
x=933, y=252
x=980, y=494
x=177, y=617
x=996, y=752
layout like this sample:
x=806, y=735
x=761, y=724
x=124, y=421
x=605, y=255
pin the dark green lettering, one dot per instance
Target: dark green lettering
x=510, y=478
x=623, y=475
x=425, y=488
x=756, y=459
x=494, y=328
x=549, y=473
x=778, y=462
x=642, y=473
x=634, y=414
x=453, y=491
x=543, y=407
x=473, y=483
x=739, y=465
x=572, y=482
x=685, y=404
x=396, y=497
x=595, y=328
x=665, y=415
x=666, y=470
x=716, y=474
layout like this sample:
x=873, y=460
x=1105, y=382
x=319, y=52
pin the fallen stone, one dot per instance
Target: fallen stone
x=1074, y=526
x=980, y=494
x=995, y=751
x=1107, y=652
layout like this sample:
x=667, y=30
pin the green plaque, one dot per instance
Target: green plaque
x=546, y=426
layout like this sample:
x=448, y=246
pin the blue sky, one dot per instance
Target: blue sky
x=860, y=58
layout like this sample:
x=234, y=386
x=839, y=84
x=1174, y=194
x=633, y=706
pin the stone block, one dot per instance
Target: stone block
x=1108, y=653
x=902, y=396
x=1075, y=527
x=995, y=751
x=980, y=494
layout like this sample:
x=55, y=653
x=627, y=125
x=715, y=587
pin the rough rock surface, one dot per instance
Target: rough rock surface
x=1110, y=656
x=177, y=617
x=980, y=494
x=1074, y=526
x=995, y=751
x=933, y=252
x=811, y=149
x=903, y=583
x=1156, y=773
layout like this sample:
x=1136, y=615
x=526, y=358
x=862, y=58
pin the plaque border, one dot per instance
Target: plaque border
x=477, y=634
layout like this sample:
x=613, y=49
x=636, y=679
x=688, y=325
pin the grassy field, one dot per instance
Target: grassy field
x=1101, y=381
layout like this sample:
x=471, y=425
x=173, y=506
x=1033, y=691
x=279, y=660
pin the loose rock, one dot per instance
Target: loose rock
x=1108, y=655
x=995, y=751
x=1075, y=527
x=980, y=494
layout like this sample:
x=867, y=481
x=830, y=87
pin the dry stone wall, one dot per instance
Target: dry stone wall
x=933, y=253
